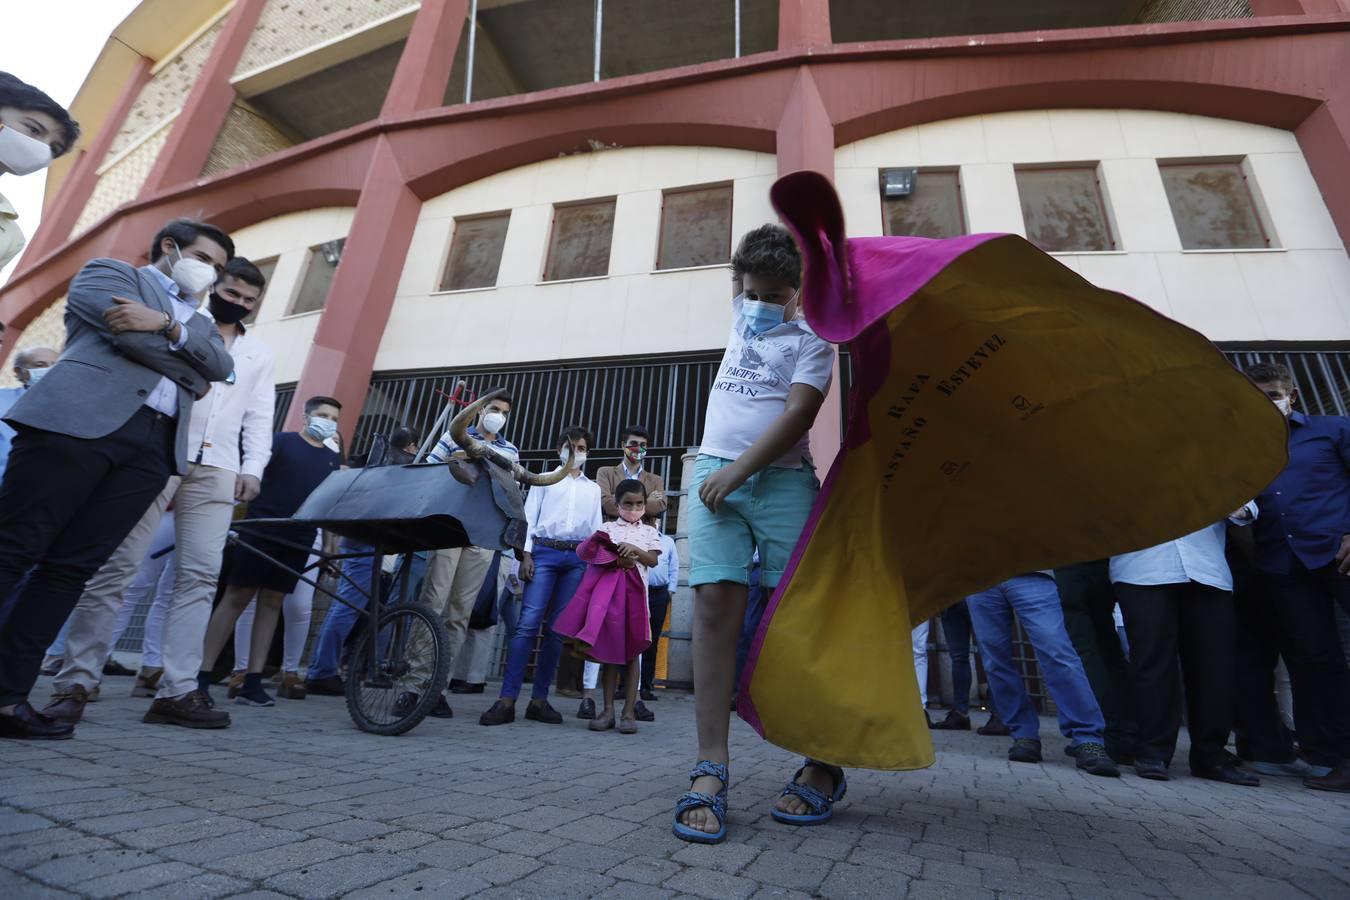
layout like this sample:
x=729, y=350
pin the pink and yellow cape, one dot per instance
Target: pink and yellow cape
x=1005, y=416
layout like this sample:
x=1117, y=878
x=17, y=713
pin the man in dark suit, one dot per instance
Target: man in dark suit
x=98, y=439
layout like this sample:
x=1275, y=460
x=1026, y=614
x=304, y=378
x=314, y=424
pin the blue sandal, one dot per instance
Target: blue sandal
x=694, y=800
x=822, y=806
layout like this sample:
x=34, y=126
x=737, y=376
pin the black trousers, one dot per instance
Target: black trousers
x=65, y=505
x=1086, y=594
x=1305, y=603
x=1260, y=731
x=1196, y=623
x=658, y=602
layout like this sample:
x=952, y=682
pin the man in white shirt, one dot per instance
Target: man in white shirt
x=236, y=412
x=559, y=517
x=1177, y=600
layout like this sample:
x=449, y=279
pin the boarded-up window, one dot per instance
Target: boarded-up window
x=695, y=227
x=323, y=262
x=267, y=267
x=476, y=252
x=579, y=244
x=1064, y=210
x=932, y=209
x=1213, y=206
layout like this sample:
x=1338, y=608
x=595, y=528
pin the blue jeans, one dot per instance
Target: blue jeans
x=341, y=619
x=957, y=630
x=557, y=573
x=756, y=601
x=1035, y=601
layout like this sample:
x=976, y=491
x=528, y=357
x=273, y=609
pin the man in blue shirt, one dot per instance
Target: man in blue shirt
x=662, y=580
x=29, y=366
x=1303, y=546
x=1177, y=599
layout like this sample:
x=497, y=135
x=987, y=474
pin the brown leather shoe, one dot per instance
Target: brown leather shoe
x=27, y=724
x=192, y=710
x=236, y=685
x=292, y=686
x=67, y=706
x=147, y=683
x=1337, y=780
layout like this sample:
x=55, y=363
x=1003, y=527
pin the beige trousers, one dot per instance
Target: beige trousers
x=450, y=588
x=203, y=505
x=475, y=659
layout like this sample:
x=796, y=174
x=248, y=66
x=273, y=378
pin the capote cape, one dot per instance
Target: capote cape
x=607, y=618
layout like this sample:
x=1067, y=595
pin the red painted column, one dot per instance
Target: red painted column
x=803, y=23
x=362, y=294
x=1325, y=139
x=424, y=67
x=59, y=219
x=806, y=141
x=195, y=130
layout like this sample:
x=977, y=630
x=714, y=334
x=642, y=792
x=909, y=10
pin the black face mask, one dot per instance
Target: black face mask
x=224, y=311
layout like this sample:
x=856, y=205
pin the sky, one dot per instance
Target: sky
x=51, y=44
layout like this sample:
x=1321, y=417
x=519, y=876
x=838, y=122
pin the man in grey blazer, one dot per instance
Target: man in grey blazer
x=98, y=438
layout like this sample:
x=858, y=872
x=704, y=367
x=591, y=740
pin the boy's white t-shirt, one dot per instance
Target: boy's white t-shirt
x=753, y=381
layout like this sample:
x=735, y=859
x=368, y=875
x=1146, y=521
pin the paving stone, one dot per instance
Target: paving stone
x=504, y=868
x=434, y=884
x=259, y=864
x=645, y=869
x=209, y=886
x=593, y=829
x=30, y=848
x=351, y=831
x=850, y=881
x=448, y=854
x=728, y=857
x=632, y=890
x=166, y=815
x=133, y=880
x=941, y=890
x=71, y=870
x=12, y=884
x=790, y=870
x=712, y=884
x=254, y=838
x=183, y=832
x=559, y=881
x=340, y=876
x=14, y=823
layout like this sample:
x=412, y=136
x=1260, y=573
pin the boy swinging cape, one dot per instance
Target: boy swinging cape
x=1005, y=415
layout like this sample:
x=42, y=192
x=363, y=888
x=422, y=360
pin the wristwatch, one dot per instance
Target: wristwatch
x=168, y=325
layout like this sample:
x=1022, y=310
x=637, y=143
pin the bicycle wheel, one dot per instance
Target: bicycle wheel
x=413, y=664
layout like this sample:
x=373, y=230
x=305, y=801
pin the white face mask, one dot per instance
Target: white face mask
x=192, y=275
x=1284, y=405
x=578, y=463
x=36, y=374
x=321, y=429
x=494, y=422
x=22, y=154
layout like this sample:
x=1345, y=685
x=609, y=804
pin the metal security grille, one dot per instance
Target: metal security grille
x=1321, y=376
x=282, y=407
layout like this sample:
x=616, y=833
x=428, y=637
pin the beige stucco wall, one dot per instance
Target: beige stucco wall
x=1298, y=292
x=632, y=311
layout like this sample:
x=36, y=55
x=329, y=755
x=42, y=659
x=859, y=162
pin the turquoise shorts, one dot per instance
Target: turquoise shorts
x=767, y=513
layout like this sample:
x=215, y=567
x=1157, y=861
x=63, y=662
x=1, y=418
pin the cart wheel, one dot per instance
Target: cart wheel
x=413, y=666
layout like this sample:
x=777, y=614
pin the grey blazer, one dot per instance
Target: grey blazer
x=102, y=378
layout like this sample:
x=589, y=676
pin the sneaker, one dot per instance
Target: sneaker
x=587, y=709
x=236, y=685
x=502, y=712
x=292, y=686
x=1092, y=759
x=954, y=721
x=642, y=714
x=1299, y=768
x=540, y=711
x=1025, y=750
x=252, y=693
x=67, y=706
x=147, y=683
x=332, y=686
x=192, y=710
x=113, y=667
x=1152, y=769
x=994, y=727
x=442, y=710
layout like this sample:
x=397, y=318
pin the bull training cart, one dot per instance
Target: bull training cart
x=400, y=663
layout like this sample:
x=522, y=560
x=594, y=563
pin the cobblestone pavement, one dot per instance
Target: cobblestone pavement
x=295, y=802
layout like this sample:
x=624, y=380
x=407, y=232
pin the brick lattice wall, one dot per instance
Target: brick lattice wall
x=166, y=92
x=245, y=136
x=123, y=181
x=288, y=26
x=1194, y=10
x=47, y=330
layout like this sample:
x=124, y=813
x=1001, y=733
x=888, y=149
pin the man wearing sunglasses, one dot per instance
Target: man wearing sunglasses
x=633, y=465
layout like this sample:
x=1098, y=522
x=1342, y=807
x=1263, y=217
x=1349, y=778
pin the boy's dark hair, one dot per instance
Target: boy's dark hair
x=314, y=403
x=577, y=433
x=768, y=250
x=403, y=436
x=635, y=431
x=504, y=398
x=1271, y=373
x=245, y=271
x=22, y=95
x=629, y=486
x=185, y=232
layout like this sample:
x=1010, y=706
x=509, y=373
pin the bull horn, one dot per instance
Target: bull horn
x=544, y=479
x=459, y=427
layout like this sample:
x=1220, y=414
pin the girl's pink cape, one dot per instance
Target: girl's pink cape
x=607, y=616
x=1005, y=415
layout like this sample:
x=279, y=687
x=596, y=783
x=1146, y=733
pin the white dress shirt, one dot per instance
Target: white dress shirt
x=1198, y=557
x=164, y=398
x=242, y=406
x=566, y=511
